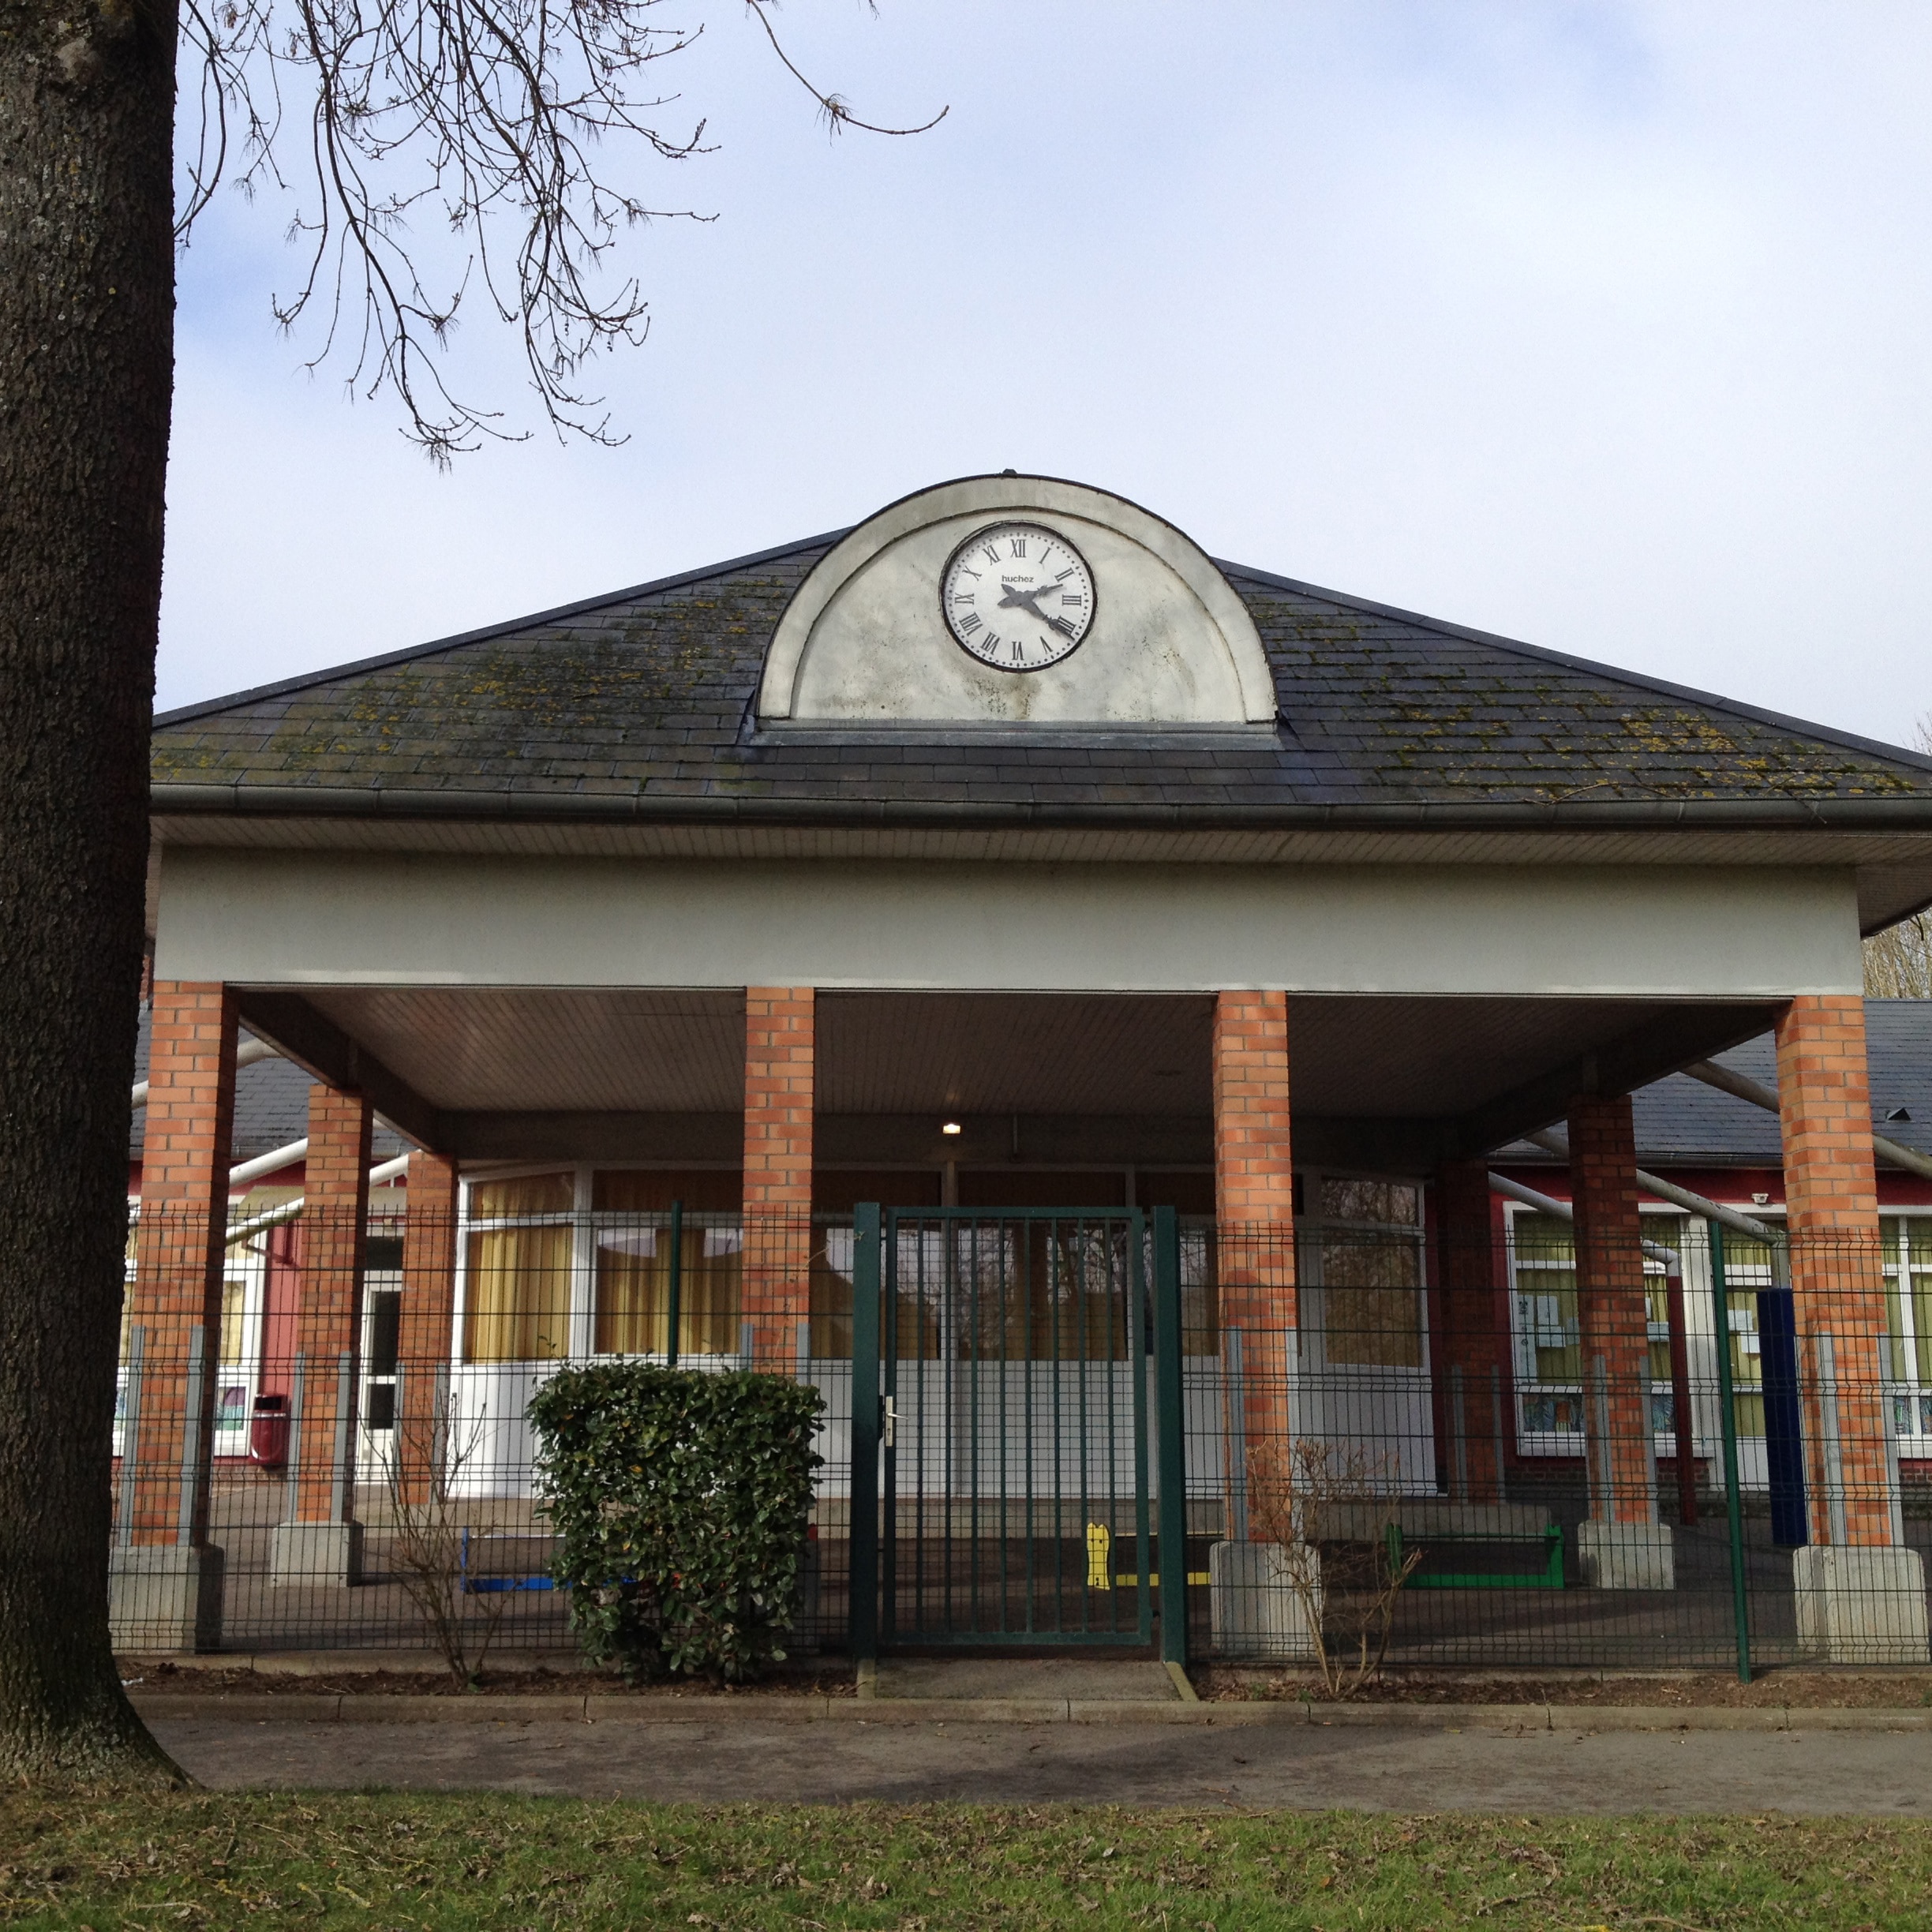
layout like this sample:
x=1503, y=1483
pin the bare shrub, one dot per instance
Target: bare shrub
x=429, y=1546
x=1328, y=1508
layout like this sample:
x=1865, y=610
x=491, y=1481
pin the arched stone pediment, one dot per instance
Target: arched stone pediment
x=864, y=640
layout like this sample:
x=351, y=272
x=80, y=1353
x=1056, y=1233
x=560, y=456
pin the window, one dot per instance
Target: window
x=1747, y=1273
x=1365, y=1242
x=1908, y=1243
x=634, y=1258
x=576, y=1261
x=1549, y=1329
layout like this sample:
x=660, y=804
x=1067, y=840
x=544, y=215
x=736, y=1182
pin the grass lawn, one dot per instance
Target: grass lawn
x=468, y=1861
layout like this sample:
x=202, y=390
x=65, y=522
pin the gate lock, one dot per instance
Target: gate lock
x=889, y=1421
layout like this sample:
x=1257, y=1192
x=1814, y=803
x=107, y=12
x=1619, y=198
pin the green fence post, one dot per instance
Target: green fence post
x=1734, y=1501
x=863, y=1621
x=677, y=1283
x=1169, y=1422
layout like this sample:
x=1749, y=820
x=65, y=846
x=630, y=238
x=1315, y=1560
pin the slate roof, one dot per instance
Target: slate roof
x=1683, y=1123
x=642, y=703
x=272, y=1110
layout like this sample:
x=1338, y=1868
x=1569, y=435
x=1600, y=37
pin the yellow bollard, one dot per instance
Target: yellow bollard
x=1099, y=1556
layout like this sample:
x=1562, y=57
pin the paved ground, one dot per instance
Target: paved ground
x=1108, y=1680
x=1294, y=1766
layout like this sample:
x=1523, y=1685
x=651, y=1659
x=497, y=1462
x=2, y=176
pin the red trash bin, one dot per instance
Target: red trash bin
x=268, y=1433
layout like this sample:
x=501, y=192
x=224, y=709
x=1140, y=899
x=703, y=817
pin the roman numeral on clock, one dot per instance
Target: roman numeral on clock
x=1018, y=652
x=1019, y=546
x=970, y=622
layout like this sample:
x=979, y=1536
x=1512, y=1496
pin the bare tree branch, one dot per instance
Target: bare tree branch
x=504, y=119
x=836, y=116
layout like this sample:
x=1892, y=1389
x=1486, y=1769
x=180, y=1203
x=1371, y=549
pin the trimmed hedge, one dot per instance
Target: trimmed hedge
x=680, y=1501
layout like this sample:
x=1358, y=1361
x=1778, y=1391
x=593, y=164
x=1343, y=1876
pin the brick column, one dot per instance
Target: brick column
x=1614, y=1310
x=780, y=1059
x=178, y=1249
x=1831, y=1196
x=319, y=1540
x=1254, y=1200
x=426, y=1342
x=167, y=1582
x=1475, y=1337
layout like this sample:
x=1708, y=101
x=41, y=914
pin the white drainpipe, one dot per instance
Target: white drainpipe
x=246, y=1054
x=1742, y=1089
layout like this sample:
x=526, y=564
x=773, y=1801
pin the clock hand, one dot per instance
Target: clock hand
x=1022, y=599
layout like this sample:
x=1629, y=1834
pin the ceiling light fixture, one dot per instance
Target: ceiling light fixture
x=952, y=1127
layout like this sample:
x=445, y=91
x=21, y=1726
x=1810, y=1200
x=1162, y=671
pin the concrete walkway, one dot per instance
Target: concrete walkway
x=906, y=1760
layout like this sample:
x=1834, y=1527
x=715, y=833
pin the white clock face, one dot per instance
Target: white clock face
x=1017, y=596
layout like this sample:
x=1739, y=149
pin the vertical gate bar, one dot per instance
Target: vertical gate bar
x=1734, y=1501
x=298, y=1376
x=1681, y=1410
x=862, y=1526
x=917, y=1483
x=675, y=1313
x=946, y=1366
x=130, y=1433
x=1005, y=1363
x=975, y=1422
x=341, y=1475
x=1084, y=1433
x=1168, y=1427
x=1458, y=1436
x=1027, y=1389
x=1235, y=1377
x=1138, y=1328
x=191, y=1435
x=1777, y=1361
x=440, y=1431
x=1495, y=1426
x=1826, y=1348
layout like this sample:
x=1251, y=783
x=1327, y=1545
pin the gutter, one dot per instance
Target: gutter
x=1912, y=815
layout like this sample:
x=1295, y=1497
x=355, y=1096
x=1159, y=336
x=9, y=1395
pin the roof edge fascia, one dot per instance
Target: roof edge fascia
x=1622, y=674
x=522, y=807
x=307, y=681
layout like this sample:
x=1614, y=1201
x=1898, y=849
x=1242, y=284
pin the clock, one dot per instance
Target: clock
x=1017, y=596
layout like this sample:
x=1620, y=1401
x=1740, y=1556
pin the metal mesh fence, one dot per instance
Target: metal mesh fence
x=1689, y=1450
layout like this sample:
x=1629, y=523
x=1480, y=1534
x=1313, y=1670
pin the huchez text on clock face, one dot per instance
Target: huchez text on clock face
x=1017, y=596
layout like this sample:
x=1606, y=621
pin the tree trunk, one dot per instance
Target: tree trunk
x=86, y=358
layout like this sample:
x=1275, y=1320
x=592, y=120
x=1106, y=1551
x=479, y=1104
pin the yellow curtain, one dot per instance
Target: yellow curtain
x=517, y=1307
x=523, y=1194
x=633, y=1291
x=232, y=1293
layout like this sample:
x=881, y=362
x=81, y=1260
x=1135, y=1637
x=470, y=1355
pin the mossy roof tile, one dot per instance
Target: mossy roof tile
x=651, y=694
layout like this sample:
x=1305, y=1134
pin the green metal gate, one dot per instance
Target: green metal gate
x=1006, y=1355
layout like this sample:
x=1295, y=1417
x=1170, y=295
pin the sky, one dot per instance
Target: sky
x=1600, y=324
